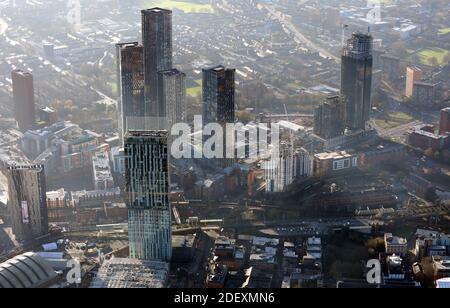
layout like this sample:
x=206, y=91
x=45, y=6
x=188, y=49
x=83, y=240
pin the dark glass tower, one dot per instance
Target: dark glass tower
x=218, y=95
x=329, y=118
x=130, y=57
x=27, y=201
x=157, y=41
x=356, y=79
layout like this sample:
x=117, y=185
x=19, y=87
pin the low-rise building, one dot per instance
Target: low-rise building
x=328, y=163
x=382, y=154
x=418, y=186
x=119, y=273
x=425, y=139
x=28, y=270
x=183, y=248
x=395, y=245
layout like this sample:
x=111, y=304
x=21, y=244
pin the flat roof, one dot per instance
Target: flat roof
x=130, y=273
x=333, y=155
x=157, y=10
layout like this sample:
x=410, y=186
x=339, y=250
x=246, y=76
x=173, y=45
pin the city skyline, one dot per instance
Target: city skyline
x=198, y=146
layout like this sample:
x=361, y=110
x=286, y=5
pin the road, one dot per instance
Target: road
x=299, y=37
x=396, y=132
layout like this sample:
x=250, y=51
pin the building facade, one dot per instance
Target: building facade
x=147, y=189
x=444, y=123
x=157, y=41
x=130, y=58
x=329, y=163
x=425, y=93
x=172, y=89
x=413, y=74
x=329, y=118
x=23, y=95
x=219, y=95
x=101, y=168
x=27, y=201
x=395, y=245
x=305, y=163
x=356, y=79
x=281, y=170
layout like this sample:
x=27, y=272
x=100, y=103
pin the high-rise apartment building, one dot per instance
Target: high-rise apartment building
x=23, y=95
x=329, y=118
x=356, y=79
x=281, y=170
x=147, y=188
x=157, y=41
x=27, y=201
x=130, y=71
x=172, y=89
x=413, y=74
x=218, y=95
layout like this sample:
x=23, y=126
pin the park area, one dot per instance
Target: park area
x=196, y=89
x=393, y=120
x=430, y=56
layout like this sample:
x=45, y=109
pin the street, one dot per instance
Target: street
x=299, y=37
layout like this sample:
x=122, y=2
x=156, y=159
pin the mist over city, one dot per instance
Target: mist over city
x=225, y=150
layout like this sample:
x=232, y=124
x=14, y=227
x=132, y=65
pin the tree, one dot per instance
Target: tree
x=398, y=48
x=244, y=116
x=447, y=58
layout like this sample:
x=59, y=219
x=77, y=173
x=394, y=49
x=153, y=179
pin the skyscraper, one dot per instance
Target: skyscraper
x=281, y=170
x=157, y=41
x=172, y=89
x=147, y=188
x=218, y=95
x=329, y=118
x=130, y=71
x=23, y=94
x=27, y=201
x=356, y=79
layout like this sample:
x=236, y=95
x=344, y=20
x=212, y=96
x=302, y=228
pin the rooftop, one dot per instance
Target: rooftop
x=156, y=10
x=130, y=273
x=395, y=240
x=333, y=155
x=26, y=271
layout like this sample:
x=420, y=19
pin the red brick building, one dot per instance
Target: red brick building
x=444, y=125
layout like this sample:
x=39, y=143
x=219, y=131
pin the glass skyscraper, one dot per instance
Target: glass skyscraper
x=218, y=95
x=147, y=189
x=130, y=59
x=172, y=94
x=27, y=201
x=157, y=41
x=356, y=79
